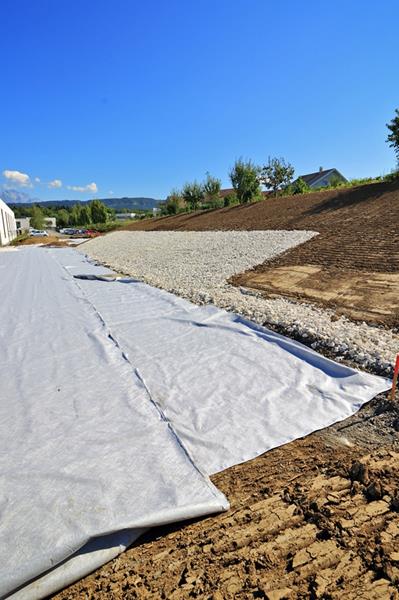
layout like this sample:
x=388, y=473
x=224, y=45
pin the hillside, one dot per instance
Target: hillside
x=352, y=266
x=358, y=226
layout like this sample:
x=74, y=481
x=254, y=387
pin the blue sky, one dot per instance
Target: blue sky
x=139, y=97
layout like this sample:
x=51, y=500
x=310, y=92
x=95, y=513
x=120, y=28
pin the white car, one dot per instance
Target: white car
x=38, y=233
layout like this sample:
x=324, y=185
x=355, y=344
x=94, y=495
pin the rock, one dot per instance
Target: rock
x=359, y=472
x=374, y=491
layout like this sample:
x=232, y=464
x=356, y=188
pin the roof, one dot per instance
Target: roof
x=311, y=178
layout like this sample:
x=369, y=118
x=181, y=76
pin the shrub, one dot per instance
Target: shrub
x=211, y=188
x=244, y=177
x=299, y=186
x=230, y=199
x=393, y=137
x=392, y=176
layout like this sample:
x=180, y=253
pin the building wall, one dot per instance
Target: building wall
x=23, y=223
x=8, y=228
x=326, y=179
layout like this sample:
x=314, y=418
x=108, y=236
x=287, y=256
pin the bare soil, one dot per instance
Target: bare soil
x=317, y=518
x=351, y=266
x=50, y=239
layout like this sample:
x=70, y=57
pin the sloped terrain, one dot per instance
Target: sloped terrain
x=358, y=233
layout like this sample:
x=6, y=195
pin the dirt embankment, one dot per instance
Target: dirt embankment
x=352, y=266
x=317, y=518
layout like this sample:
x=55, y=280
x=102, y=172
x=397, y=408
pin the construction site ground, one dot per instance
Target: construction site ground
x=319, y=517
x=352, y=266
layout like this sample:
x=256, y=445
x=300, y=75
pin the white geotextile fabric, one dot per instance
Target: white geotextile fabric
x=84, y=366
x=83, y=450
x=231, y=388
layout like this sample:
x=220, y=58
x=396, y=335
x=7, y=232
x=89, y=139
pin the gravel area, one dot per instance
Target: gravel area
x=196, y=266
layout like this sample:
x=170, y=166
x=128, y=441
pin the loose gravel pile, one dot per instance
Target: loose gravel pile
x=196, y=266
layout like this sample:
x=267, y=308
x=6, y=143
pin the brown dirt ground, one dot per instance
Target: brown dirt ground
x=317, y=518
x=352, y=266
x=51, y=239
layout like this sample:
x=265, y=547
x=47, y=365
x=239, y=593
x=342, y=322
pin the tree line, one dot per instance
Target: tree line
x=89, y=213
x=247, y=179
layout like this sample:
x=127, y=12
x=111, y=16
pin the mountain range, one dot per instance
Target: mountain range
x=22, y=199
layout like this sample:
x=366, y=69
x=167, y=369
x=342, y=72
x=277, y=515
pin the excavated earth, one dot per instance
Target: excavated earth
x=352, y=266
x=319, y=517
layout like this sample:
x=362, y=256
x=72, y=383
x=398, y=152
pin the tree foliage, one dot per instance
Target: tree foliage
x=62, y=217
x=211, y=187
x=276, y=174
x=193, y=194
x=37, y=218
x=99, y=213
x=393, y=137
x=244, y=178
x=174, y=203
x=300, y=186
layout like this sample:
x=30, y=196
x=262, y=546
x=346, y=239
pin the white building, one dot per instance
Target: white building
x=23, y=223
x=322, y=178
x=8, y=228
x=125, y=216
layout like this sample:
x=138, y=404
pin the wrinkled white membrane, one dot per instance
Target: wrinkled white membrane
x=116, y=397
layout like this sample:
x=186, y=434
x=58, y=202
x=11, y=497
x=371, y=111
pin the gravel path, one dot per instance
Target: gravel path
x=196, y=265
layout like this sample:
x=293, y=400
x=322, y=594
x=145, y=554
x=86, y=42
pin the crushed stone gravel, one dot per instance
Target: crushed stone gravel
x=197, y=264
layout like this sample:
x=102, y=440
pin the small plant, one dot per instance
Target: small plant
x=393, y=137
x=230, y=199
x=392, y=176
x=211, y=188
x=299, y=187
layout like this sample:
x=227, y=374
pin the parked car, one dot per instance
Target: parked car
x=38, y=233
x=69, y=231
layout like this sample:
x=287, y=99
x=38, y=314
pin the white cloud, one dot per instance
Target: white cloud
x=90, y=187
x=17, y=177
x=56, y=183
x=37, y=179
x=110, y=192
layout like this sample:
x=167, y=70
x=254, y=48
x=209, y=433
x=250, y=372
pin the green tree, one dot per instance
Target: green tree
x=276, y=174
x=37, y=218
x=85, y=216
x=99, y=213
x=393, y=137
x=300, y=186
x=211, y=187
x=74, y=215
x=174, y=203
x=62, y=217
x=244, y=177
x=193, y=194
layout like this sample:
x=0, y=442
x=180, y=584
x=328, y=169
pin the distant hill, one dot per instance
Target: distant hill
x=115, y=203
